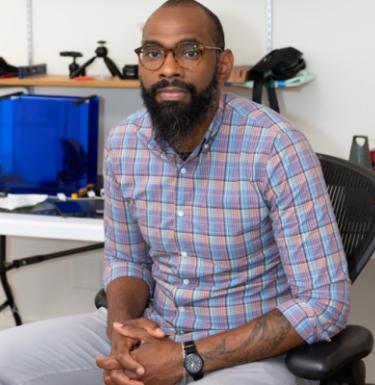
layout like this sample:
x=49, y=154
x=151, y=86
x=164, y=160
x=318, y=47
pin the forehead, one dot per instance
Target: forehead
x=169, y=25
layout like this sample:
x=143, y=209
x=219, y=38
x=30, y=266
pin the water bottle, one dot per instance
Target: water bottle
x=360, y=151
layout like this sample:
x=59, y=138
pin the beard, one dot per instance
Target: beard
x=174, y=121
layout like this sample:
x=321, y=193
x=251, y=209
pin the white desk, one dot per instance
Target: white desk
x=46, y=226
x=43, y=226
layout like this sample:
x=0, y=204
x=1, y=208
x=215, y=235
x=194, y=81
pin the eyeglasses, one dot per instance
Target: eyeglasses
x=187, y=54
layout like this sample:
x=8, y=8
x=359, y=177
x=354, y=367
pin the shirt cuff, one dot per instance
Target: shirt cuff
x=128, y=269
x=304, y=320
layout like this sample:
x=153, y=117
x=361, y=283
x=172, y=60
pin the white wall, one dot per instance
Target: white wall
x=335, y=37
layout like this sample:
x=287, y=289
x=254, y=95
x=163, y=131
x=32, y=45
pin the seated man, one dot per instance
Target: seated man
x=222, y=251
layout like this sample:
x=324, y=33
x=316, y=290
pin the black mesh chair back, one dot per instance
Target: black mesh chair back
x=351, y=188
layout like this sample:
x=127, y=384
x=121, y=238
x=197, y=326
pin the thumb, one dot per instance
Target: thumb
x=153, y=328
x=155, y=332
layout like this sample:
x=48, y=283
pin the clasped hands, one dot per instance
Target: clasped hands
x=141, y=355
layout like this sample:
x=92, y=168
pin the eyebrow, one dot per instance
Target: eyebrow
x=156, y=42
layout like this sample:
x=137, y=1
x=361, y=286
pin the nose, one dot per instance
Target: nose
x=170, y=67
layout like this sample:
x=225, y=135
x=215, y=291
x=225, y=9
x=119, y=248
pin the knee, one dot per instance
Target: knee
x=9, y=358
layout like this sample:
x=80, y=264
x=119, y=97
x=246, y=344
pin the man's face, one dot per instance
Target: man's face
x=178, y=98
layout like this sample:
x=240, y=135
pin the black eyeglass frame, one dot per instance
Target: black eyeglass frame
x=201, y=47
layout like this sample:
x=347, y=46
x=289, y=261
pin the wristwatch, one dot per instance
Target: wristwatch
x=193, y=362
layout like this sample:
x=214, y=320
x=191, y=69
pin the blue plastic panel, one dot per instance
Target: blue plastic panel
x=48, y=143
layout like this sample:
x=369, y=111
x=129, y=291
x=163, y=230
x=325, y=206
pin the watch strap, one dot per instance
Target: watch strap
x=189, y=347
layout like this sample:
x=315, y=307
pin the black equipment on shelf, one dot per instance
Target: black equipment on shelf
x=74, y=66
x=9, y=71
x=101, y=52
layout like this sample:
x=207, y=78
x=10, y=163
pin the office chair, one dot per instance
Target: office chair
x=352, y=192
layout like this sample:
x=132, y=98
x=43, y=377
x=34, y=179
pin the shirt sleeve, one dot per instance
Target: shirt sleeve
x=308, y=240
x=125, y=252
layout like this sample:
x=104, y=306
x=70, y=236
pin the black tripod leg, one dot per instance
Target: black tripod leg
x=4, y=281
x=113, y=69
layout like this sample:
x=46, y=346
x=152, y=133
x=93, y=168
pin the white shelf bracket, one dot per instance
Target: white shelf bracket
x=269, y=25
x=29, y=31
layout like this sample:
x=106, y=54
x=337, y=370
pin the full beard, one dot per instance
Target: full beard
x=174, y=121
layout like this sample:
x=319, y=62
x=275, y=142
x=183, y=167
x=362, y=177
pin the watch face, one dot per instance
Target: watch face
x=193, y=363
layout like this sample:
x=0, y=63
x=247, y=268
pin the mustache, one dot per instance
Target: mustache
x=172, y=83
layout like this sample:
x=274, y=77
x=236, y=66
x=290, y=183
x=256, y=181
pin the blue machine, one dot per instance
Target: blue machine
x=48, y=143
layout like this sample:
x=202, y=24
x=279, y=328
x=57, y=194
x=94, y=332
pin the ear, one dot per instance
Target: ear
x=225, y=65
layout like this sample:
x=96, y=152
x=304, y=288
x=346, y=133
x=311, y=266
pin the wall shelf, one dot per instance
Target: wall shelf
x=110, y=82
x=303, y=77
x=65, y=81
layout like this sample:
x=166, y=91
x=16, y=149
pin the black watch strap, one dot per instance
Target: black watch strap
x=189, y=347
x=191, y=352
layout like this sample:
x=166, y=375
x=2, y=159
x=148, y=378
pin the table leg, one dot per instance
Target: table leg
x=4, y=282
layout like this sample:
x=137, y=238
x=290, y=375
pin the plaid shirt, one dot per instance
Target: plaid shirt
x=241, y=227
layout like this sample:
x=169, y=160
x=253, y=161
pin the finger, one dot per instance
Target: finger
x=107, y=379
x=120, y=362
x=129, y=363
x=118, y=377
x=150, y=326
x=130, y=331
x=107, y=363
x=155, y=332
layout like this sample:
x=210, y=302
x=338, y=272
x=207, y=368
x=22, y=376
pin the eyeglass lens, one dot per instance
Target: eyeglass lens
x=186, y=54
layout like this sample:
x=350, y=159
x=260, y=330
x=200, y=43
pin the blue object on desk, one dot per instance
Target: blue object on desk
x=48, y=143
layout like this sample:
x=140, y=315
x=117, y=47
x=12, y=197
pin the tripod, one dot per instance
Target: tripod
x=101, y=52
x=74, y=66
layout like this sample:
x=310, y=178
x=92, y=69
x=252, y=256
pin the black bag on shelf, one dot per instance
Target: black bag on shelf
x=279, y=64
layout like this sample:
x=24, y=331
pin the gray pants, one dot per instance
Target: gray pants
x=62, y=351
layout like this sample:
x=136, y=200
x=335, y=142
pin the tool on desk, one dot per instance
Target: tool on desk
x=100, y=52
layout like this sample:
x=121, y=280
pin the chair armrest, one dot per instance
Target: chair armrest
x=321, y=360
x=100, y=299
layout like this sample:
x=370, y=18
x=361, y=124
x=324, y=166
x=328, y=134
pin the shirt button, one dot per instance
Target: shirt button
x=184, y=254
x=185, y=281
x=180, y=213
x=206, y=146
x=182, y=308
x=183, y=171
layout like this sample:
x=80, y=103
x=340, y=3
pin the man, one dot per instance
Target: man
x=222, y=251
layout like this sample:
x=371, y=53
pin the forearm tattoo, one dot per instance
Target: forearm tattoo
x=266, y=336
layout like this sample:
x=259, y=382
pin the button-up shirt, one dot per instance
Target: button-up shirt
x=242, y=226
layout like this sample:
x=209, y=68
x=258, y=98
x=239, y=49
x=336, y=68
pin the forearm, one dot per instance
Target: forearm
x=266, y=336
x=127, y=298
